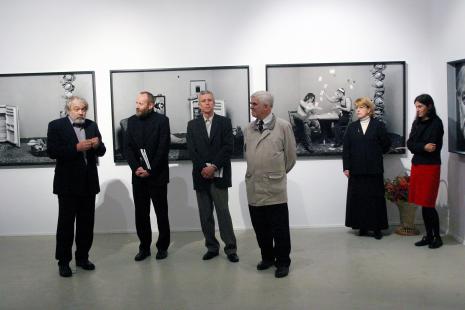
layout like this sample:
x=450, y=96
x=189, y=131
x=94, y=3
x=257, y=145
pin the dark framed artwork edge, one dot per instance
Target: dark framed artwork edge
x=403, y=63
x=121, y=161
x=454, y=62
x=51, y=163
x=179, y=69
x=452, y=137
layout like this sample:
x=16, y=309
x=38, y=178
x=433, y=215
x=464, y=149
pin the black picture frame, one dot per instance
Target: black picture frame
x=31, y=101
x=319, y=126
x=456, y=106
x=230, y=85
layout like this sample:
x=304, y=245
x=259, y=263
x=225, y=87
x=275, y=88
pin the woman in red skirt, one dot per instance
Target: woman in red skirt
x=425, y=142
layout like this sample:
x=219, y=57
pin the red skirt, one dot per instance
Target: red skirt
x=424, y=185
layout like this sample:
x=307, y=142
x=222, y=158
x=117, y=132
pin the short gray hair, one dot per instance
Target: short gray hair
x=75, y=98
x=264, y=97
x=206, y=92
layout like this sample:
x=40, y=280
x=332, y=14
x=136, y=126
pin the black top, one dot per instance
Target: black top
x=422, y=133
x=74, y=175
x=151, y=133
x=216, y=149
x=362, y=154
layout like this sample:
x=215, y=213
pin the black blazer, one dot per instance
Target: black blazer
x=363, y=153
x=151, y=133
x=216, y=150
x=422, y=133
x=72, y=174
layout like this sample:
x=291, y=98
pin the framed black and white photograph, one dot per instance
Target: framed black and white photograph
x=179, y=88
x=28, y=102
x=317, y=99
x=456, y=105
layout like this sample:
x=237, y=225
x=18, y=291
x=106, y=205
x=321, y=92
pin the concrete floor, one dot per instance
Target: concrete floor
x=332, y=269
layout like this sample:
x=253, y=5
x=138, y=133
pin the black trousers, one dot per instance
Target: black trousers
x=143, y=192
x=81, y=209
x=271, y=224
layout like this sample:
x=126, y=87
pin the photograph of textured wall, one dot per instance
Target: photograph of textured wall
x=28, y=102
x=178, y=89
x=456, y=105
x=317, y=99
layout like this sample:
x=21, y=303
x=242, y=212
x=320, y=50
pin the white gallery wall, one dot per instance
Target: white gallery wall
x=108, y=35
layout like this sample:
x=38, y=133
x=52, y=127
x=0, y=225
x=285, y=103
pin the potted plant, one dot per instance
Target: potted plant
x=396, y=191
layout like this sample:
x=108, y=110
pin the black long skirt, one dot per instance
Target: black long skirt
x=366, y=205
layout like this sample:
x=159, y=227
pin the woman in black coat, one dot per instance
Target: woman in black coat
x=365, y=142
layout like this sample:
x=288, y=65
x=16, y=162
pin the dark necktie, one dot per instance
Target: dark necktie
x=260, y=125
x=208, y=125
x=78, y=125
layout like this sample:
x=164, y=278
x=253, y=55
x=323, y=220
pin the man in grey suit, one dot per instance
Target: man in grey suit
x=270, y=151
x=210, y=145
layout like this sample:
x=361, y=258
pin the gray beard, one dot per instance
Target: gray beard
x=79, y=121
x=143, y=115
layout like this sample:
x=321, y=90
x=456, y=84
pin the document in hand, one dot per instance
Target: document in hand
x=145, y=159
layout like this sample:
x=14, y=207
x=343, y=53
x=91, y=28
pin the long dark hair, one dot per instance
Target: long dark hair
x=428, y=101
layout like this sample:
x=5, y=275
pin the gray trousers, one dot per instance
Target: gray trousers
x=216, y=198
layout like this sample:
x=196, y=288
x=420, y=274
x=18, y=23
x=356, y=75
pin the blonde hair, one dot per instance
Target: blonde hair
x=365, y=102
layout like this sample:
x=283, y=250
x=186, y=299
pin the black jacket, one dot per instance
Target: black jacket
x=72, y=174
x=363, y=153
x=422, y=133
x=216, y=150
x=151, y=133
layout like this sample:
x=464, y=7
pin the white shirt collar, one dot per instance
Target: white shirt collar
x=366, y=119
x=268, y=119
x=210, y=119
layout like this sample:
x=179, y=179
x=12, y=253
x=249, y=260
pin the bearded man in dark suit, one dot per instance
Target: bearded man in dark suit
x=75, y=142
x=147, y=145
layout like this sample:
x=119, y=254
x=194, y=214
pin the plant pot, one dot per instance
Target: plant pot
x=407, y=213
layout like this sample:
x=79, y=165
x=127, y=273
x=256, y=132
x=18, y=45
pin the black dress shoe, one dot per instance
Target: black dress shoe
x=161, y=254
x=424, y=241
x=233, y=258
x=264, y=264
x=378, y=235
x=435, y=243
x=65, y=271
x=141, y=255
x=281, y=272
x=85, y=264
x=362, y=233
x=209, y=255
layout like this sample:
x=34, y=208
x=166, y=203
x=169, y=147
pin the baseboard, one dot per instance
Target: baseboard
x=457, y=238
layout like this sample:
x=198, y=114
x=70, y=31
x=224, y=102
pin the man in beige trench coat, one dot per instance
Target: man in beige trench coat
x=270, y=151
